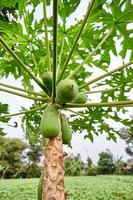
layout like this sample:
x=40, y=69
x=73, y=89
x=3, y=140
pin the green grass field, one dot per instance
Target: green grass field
x=84, y=188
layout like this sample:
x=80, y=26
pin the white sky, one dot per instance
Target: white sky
x=79, y=145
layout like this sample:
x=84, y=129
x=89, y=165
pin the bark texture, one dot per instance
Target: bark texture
x=53, y=188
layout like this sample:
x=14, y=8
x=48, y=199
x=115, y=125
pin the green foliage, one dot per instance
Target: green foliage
x=99, y=187
x=18, y=160
x=31, y=124
x=11, y=157
x=127, y=135
x=25, y=36
x=67, y=7
x=72, y=166
x=92, y=171
x=106, y=163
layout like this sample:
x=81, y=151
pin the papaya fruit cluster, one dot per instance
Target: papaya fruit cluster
x=67, y=90
x=53, y=121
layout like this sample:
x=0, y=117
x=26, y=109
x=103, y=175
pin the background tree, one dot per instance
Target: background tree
x=11, y=156
x=34, y=155
x=119, y=165
x=106, y=163
x=30, y=49
x=73, y=166
x=127, y=135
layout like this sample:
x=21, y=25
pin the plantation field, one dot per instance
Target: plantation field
x=80, y=188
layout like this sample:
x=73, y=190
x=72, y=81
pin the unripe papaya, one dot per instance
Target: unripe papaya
x=66, y=91
x=50, y=125
x=40, y=187
x=47, y=80
x=80, y=98
x=66, y=130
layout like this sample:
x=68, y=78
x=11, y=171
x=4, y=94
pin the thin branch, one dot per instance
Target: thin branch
x=6, y=46
x=23, y=95
x=46, y=35
x=60, y=57
x=105, y=90
x=100, y=104
x=24, y=112
x=23, y=90
x=90, y=6
x=106, y=74
x=55, y=43
x=92, y=54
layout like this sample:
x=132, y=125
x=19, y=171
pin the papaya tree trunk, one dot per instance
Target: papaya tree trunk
x=53, y=187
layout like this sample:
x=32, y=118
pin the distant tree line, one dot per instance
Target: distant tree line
x=21, y=160
x=106, y=165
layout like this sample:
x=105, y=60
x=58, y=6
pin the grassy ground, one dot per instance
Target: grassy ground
x=80, y=188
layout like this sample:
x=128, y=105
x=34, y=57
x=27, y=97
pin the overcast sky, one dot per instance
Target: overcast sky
x=79, y=145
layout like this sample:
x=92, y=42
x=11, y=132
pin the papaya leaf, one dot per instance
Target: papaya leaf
x=26, y=37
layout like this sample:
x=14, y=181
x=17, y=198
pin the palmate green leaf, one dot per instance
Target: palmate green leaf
x=3, y=110
x=21, y=7
x=31, y=125
x=8, y=3
x=123, y=15
x=67, y=7
x=95, y=122
x=27, y=40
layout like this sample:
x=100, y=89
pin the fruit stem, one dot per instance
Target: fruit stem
x=90, y=6
x=106, y=74
x=24, y=112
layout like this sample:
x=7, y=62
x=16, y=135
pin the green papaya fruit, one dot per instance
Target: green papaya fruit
x=66, y=91
x=66, y=130
x=50, y=125
x=80, y=98
x=40, y=187
x=47, y=81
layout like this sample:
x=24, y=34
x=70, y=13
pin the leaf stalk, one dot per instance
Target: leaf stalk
x=23, y=95
x=55, y=43
x=106, y=74
x=23, y=90
x=46, y=35
x=100, y=104
x=90, y=6
x=92, y=54
x=24, y=112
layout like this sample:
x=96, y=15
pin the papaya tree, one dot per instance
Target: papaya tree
x=62, y=59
